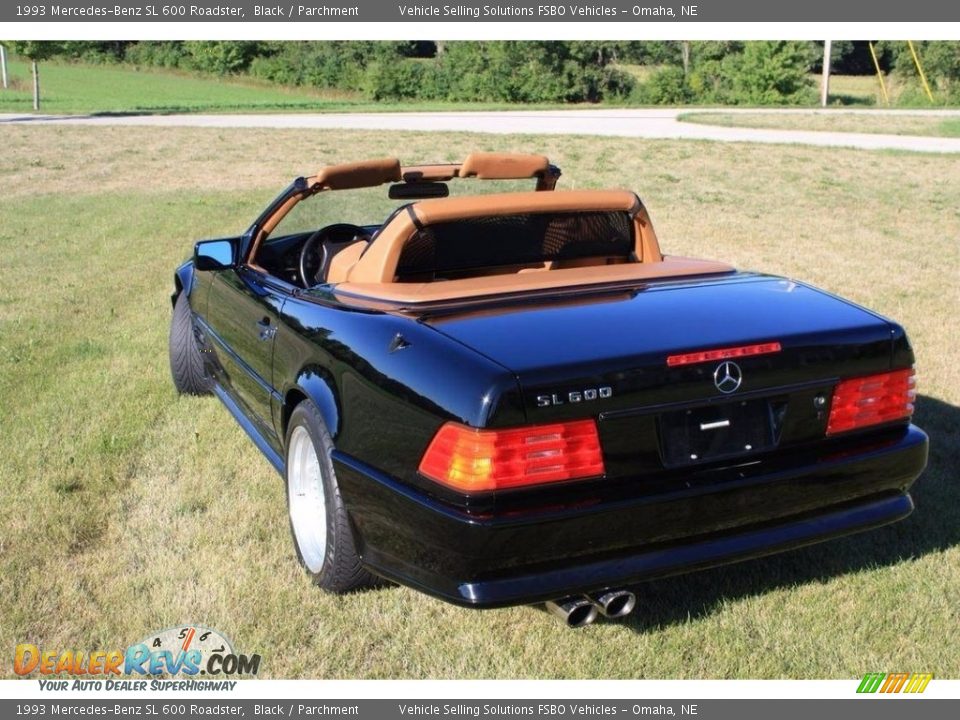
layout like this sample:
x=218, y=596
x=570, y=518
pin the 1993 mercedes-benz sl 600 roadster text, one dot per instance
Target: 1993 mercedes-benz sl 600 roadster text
x=516, y=397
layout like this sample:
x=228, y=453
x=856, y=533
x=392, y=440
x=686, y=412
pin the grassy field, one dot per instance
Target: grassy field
x=853, y=89
x=76, y=88
x=127, y=509
x=80, y=89
x=834, y=121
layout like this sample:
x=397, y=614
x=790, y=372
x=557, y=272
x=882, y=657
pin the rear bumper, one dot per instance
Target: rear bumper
x=539, y=554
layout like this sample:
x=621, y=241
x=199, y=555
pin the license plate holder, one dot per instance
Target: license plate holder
x=713, y=432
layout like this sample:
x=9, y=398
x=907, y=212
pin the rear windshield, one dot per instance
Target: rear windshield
x=452, y=248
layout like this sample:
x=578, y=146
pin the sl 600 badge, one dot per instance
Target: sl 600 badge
x=575, y=396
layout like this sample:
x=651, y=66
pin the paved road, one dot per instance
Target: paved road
x=647, y=123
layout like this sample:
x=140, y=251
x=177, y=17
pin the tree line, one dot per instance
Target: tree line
x=714, y=72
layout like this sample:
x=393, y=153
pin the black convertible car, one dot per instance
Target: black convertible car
x=517, y=397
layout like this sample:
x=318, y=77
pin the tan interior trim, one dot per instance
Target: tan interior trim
x=504, y=166
x=455, y=208
x=379, y=263
x=431, y=173
x=341, y=263
x=348, y=176
x=370, y=173
x=414, y=293
x=281, y=212
x=648, y=246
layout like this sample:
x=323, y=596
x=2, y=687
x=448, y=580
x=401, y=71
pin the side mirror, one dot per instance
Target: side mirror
x=215, y=254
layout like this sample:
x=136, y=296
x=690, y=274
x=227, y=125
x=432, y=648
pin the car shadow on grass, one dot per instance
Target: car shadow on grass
x=934, y=526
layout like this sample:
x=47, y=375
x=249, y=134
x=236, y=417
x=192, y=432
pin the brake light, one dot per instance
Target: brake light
x=473, y=460
x=722, y=354
x=871, y=400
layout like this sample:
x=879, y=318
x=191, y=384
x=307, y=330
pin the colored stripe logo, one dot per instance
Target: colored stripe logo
x=894, y=682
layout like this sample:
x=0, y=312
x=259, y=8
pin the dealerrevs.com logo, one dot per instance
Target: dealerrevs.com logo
x=186, y=652
x=891, y=683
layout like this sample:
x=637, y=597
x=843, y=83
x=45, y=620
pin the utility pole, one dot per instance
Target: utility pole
x=825, y=84
x=36, y=85
x=3, y=66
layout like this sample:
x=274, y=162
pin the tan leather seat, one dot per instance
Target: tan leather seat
x=342, y=263
x=379, y=264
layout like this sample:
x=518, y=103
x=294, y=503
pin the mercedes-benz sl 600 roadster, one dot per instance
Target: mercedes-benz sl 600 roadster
x=517, y=397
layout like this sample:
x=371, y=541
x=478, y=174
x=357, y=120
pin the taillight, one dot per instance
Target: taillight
x=473, y=460
x=871, y=400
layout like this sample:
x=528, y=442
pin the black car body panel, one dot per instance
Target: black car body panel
x=608, y=537
x=386, y=379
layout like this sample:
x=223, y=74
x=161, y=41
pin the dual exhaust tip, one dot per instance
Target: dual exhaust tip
x=582, y=610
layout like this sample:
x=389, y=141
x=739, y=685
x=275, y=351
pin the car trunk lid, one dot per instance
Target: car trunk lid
x=605, y=355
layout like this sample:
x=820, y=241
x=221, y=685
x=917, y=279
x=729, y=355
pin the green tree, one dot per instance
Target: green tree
x=35, y=51
x=535, y=71
x=221, y=57
x=940, y=60
x=769, y=73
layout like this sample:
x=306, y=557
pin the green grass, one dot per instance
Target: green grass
x=128, y=509
x=852, y=89
x=833, y=121
x=76, y=88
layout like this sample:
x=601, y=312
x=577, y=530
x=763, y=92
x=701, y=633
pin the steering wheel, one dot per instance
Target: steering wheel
x=315, y=255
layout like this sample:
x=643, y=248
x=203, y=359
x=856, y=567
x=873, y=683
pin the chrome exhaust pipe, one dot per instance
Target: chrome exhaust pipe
x=574, y=611
x=614, y=603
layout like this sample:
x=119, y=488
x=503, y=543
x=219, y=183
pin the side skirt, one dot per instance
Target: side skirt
x=272, y=455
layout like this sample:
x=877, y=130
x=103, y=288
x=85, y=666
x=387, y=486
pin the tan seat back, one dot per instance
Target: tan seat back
x=342, y=263
x=379, y=264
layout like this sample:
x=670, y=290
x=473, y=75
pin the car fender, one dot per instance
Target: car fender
x=314, y=383
x=183, y=280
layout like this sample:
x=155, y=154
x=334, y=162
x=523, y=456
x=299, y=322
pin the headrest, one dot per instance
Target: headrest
x=366, y=173
x=504, y=166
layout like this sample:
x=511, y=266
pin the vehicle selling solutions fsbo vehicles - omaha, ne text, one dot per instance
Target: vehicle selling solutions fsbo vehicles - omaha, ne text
x=516, y=397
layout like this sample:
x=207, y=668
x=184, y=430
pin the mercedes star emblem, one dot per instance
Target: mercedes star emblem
x=727, y=377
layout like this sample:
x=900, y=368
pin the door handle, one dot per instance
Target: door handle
x=267, y=331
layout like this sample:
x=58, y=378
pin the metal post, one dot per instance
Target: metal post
x=883, y=84
x=923, y=77
x=36, y=85
x=825, y=85
x=3, y=66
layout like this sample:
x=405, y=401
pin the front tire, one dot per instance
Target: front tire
x=321, y=531
x=186, y=362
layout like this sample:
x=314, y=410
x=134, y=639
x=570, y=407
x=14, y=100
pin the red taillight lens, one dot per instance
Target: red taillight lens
x=475, y=460
x=871, y=400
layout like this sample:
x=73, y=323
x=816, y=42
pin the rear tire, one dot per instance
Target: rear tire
x=321, y=531
x=186, y=361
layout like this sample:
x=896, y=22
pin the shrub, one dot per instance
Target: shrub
x=164, y=54
x=667, y=86
x=710, y=82
x=404, y=80
x=529, y=72
x=338, y=65
x=940, y=60
x=220, y=58
x=96, y=52
x=755, y=73
x=769, y=73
